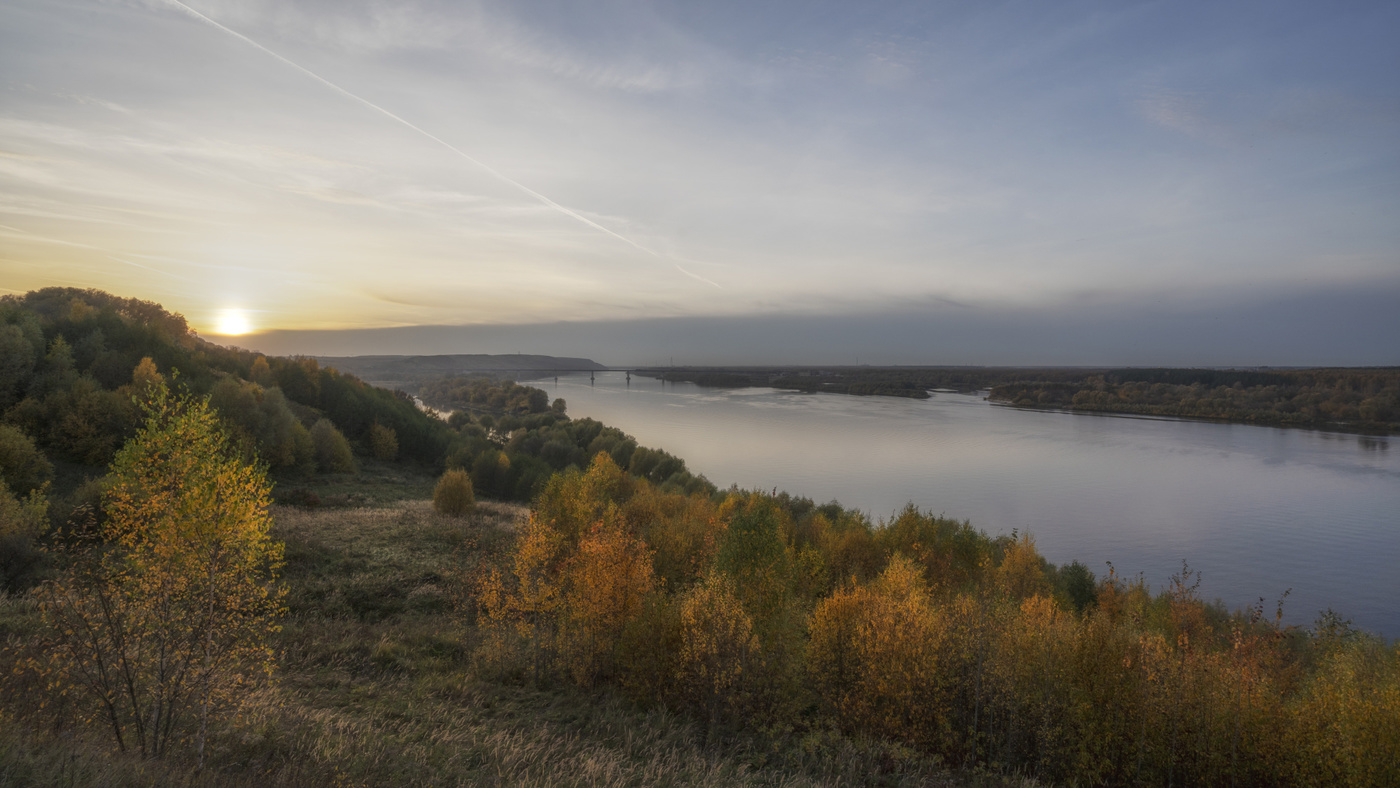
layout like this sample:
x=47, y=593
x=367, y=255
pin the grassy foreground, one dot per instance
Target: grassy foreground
x=377, y=686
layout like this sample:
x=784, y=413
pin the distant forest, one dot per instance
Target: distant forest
x=1360, y=400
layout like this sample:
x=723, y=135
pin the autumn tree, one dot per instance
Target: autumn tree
x=261, y=373
x=157, y=628
x=1021, y=573
x=718, y=653
x=519, y=606
x=605, y=583
x=875, y=654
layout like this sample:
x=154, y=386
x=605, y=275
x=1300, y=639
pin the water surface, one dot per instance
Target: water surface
x=1258, y=510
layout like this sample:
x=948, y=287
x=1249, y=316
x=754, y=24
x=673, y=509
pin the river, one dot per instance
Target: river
x=1257, y=510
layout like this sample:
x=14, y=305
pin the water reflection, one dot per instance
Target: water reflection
x=1371, y=443
x=1258, y=510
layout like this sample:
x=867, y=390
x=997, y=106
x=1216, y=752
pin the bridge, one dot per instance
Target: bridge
x=544, y=372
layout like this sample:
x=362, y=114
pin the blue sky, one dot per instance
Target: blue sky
x=501, y=167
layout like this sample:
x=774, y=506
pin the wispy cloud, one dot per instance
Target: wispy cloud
x=1183, y=112
x=513, y=161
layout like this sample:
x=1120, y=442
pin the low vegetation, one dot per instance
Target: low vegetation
x=453, y=494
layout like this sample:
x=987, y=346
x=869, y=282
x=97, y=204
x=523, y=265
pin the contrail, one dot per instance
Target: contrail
x=147, y=267
x=444, y=143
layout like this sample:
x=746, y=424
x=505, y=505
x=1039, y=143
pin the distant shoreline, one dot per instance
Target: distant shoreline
x=1364, y=400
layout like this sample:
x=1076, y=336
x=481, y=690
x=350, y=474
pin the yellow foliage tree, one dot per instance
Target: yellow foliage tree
x=172, y=616
x=1348, y=718
x=1020, y=574
x=900, y=641
x=520, y=608
x=261, y=372
x=833, y=647
x=573, y=502
x=145, y=378
x=605, y=581
x=718, y=647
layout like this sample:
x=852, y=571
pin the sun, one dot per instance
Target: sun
x=233, y=322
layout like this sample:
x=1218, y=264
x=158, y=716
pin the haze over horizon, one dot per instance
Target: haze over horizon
x=888, y=183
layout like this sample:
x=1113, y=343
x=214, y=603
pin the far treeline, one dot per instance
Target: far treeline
x=1351, y=399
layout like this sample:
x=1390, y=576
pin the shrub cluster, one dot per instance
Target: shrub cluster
x=755, y=610
x=512, y=454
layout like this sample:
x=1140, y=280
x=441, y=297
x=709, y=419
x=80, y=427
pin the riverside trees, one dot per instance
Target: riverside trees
x=772, y=614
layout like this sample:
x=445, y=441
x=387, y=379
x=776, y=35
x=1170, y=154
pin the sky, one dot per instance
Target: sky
x=920, y=183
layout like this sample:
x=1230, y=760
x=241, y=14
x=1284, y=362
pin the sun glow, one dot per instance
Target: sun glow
x=233, y=322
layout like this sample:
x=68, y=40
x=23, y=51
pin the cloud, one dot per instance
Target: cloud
x=1352, y=328
x=478, y=31
x=1183, y=112
x=1268, y=115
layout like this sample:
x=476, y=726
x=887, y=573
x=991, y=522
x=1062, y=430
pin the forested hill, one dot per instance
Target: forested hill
x=72, y=362
x=69, y=360
x=411, y=370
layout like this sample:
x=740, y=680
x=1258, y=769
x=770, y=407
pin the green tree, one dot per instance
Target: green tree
x=333, y=453
x=22, y=466
x=17, y=358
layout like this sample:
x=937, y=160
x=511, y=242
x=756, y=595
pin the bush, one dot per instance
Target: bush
x=332, y=450
x=453, y=493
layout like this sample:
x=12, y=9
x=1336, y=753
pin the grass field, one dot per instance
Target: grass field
x=377, y=685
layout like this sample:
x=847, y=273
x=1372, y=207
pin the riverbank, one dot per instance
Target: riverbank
x=1245, y=504
x=1357, y=400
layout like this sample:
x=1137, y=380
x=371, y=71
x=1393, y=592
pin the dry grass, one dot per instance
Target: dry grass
x=376, y=687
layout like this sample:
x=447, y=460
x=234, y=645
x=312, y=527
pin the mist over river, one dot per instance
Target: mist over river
x=1258, y=510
